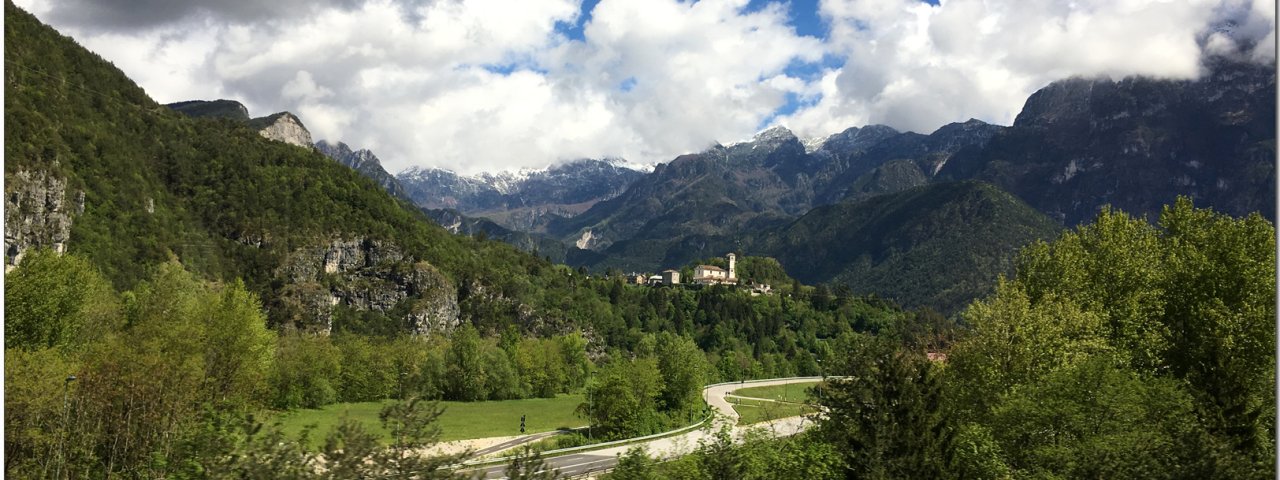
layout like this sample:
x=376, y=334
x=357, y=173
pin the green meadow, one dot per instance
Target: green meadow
x=460, y=421
x=792, y=392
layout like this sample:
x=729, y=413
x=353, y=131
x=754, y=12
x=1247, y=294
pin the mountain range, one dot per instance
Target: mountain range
x=1136, y=143
x=1077, y=145
x=923, y=219
x=526, y=200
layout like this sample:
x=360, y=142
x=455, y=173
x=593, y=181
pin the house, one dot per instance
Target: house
x=655, y=280
x=671, y=277
x=637, y=278
x=713, y=275
x=758, y=289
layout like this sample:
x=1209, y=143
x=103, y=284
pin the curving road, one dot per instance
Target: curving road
x=580, y=464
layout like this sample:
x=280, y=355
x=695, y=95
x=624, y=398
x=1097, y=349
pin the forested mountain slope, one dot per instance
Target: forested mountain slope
x=96, y=168
x=938, y=245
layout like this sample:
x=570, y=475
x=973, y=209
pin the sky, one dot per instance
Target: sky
x=490, y=85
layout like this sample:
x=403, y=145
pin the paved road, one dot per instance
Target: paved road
x=515, y=442
x=674, y=446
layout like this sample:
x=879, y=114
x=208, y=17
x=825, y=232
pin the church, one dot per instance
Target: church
x=713, y=275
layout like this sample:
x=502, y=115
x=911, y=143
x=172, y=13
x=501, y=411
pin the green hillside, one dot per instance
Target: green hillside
x=939, y=245
x=211, y=193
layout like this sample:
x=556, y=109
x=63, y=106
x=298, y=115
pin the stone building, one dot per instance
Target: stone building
x=713, y=275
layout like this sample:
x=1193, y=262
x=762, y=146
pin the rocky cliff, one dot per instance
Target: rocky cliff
x=1138, y=143
x=37, y=214
x=366, y=275
x=283, y=127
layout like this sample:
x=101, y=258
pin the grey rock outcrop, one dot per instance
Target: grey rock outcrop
x=366, y=275
x=283, y=127
x=37, y=214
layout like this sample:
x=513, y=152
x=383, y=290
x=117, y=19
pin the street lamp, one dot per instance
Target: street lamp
x=66, y=413
x=591, y=406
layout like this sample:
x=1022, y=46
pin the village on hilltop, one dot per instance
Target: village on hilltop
x=703, y=275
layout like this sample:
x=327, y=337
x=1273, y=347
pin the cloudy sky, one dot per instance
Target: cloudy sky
x=484, y=85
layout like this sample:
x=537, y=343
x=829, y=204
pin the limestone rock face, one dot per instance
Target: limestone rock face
x=283, y=127
x=37, y=214
x=366, y=275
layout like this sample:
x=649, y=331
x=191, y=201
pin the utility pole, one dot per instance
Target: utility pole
x=66, y=414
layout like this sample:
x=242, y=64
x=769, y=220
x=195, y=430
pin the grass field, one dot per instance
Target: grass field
x=461, y=420
x=755, y=411
x=792, y=392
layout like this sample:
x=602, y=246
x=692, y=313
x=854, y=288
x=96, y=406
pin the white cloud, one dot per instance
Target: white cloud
x=917, y=66
x=487, y=84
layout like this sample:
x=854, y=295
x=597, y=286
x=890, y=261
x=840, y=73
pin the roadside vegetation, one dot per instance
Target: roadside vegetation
x=1122, y=350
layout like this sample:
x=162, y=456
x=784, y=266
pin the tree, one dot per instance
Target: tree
x=1185, y=309
x=529, y=465
x=239, y=347
x=465, y=371
x=501, y=379
x=1098, y=419
x=635, y=464
x=573, y=351
x=883, y=411
x=1014, y=341
x=413, y=427
x=763, y=457
x=37, y=421
x=54, y=300
x=683, y=367
x=1219, y=309
x=306, y=371
x=368, y=370
x=143, y=384
x=541, y=367
x=625, y=398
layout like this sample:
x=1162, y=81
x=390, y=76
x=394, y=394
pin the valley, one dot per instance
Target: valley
x=241, y=288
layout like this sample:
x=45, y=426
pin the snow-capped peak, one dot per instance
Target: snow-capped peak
x=813, y=144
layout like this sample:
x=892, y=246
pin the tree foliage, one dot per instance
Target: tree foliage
x=57, y=301
x=883, y=411
x=1127, y=347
